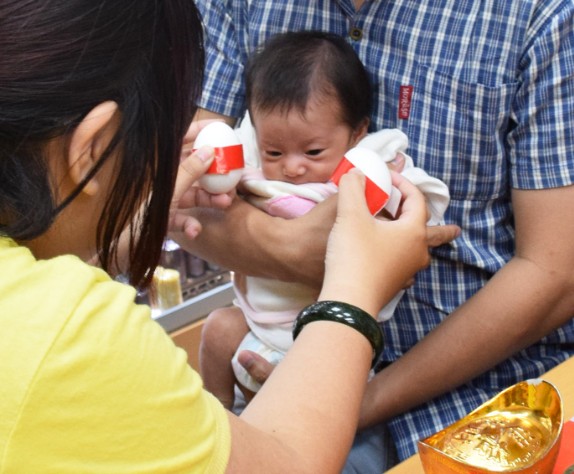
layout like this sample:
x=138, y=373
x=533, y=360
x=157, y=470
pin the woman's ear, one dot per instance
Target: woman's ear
x=89, y=140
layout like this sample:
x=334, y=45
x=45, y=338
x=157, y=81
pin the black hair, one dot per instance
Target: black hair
x=293, y=66
x=61, y=58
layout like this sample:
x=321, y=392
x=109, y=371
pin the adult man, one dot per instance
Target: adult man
x=485, y=92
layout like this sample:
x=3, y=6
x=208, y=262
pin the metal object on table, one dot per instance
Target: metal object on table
x=204, y=287
x=196, y=275
x=173, y=256
x=166, y=289
x=517, y=431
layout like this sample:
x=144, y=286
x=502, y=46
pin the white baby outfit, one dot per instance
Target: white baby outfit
x=271, y=306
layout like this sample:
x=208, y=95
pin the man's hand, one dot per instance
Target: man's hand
x=438, y=235
x=258, y=367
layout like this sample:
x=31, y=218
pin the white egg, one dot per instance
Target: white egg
x=378, y=191
x=216, y=134
x=220, y=183
x=224, y=174
x=372, y=165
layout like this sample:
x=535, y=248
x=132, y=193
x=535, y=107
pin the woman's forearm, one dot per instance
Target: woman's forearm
x=289, y=417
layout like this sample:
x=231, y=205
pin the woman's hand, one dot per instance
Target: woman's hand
x=369, y=260
x=187, y=193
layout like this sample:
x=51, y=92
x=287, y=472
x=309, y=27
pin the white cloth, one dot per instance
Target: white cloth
x=386, y=143
x=390, y=141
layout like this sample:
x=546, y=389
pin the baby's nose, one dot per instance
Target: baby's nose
x=292, y=170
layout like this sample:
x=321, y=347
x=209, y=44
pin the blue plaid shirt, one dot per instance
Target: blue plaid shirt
x=485, y=92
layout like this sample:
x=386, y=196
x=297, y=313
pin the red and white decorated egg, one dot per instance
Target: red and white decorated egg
x=226, y=169
x=378, y=186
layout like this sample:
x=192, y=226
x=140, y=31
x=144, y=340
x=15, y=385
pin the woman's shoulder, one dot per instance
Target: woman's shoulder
x=76, y=341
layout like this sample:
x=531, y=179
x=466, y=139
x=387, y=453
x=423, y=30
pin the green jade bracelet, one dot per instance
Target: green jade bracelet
x=346, y=314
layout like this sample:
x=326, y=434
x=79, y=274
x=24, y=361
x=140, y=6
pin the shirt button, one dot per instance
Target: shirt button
x=356, y=33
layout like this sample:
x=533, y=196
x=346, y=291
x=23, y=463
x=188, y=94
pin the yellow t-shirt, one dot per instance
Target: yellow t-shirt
x=90, y=384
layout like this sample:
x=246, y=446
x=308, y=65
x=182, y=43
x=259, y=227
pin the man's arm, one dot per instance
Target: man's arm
x=527, y=299
x=204, y=114
x=245, y=239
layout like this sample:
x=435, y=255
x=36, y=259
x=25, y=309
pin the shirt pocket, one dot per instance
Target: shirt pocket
x=458, y=131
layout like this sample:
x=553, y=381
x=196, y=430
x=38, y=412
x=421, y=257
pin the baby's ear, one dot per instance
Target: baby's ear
x=89, y=140
x=361, y=131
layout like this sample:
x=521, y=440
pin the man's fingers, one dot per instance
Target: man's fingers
x=258, y=367
x=442, y=234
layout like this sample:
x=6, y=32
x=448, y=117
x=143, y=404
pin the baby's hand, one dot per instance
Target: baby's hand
x=398, y=163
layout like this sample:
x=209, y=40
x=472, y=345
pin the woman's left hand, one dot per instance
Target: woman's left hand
x=187, y=194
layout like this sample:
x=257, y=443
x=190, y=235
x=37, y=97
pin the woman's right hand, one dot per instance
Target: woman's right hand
x=369, y=260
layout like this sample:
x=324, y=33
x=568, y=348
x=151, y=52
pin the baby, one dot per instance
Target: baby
x=308, y=99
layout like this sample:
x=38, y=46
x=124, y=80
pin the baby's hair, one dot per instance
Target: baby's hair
x=292, y=67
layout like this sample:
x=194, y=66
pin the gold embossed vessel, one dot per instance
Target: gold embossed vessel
x=517, y=431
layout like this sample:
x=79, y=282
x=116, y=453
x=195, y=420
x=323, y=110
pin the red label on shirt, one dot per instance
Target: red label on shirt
x=405, y=96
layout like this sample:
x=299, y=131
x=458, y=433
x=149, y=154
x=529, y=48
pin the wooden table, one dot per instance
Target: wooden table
x=561, y=376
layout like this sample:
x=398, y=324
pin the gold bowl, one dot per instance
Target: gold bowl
x=517, y=431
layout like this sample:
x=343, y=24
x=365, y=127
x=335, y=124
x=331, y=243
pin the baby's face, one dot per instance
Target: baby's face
x=299, y=148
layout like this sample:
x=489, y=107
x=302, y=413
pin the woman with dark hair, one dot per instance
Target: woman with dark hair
x=96, y=98
x=59, y=60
